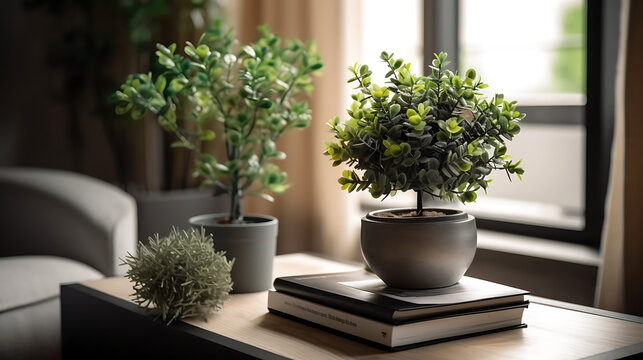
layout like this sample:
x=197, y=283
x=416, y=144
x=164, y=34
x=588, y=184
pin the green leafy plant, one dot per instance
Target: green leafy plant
x=436, y=134
x=249, y=89
x=180, y=275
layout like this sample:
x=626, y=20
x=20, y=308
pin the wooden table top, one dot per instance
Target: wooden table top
x=553, y=332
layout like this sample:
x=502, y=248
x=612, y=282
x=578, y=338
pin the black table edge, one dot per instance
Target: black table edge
x=68, y=291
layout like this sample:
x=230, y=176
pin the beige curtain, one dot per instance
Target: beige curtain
x=620, y=285
x=314, y=214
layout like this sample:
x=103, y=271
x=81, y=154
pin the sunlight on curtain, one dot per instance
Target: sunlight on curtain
x=619, y=278
x=314, y=214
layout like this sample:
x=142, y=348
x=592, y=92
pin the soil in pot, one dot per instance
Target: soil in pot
x=406, y=214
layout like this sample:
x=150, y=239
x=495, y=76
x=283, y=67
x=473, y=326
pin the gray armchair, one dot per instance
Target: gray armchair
x=57, y=227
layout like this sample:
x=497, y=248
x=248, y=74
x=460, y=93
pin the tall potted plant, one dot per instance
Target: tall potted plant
x=435, y=135
x=248, y=89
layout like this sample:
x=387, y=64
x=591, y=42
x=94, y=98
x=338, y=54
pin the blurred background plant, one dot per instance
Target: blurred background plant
x=249, y=89
x=99, y=42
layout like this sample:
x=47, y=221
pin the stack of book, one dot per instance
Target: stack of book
x=359, y=304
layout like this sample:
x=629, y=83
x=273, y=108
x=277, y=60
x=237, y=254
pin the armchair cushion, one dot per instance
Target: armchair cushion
x=30, y=306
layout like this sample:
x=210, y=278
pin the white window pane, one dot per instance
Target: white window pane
x=404, y=38
x=533, y=50
x=552, y=192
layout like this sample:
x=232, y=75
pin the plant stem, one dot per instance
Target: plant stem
x=285, y=95
x=236, y=215
x=420, y=205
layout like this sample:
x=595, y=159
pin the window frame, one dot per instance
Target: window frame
x=603, y=17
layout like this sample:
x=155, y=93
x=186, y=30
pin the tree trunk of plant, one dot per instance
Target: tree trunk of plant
x=420, y=204
x=236, y=216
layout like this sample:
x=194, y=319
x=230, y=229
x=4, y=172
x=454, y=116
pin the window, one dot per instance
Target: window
x=541, y=64
x=556, y=58
x=553, y=57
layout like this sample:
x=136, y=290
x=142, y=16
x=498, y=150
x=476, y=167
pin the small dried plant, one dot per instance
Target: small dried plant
x=180, y=275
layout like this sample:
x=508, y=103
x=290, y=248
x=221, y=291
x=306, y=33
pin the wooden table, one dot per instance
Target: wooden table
x=99, y=320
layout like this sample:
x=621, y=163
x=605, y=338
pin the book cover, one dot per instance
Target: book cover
x=363, y=293
x=397, y=337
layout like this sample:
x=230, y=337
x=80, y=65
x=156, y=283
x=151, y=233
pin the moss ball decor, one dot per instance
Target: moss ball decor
x=180, y=275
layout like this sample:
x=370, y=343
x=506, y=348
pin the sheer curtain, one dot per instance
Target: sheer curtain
x=619, y=285
x=314, y=214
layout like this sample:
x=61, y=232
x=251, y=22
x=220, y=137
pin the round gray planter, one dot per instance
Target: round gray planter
x=252, y=246
x=419, y=252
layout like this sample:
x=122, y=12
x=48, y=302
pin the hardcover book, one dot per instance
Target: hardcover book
x=362, y=293
x=398, y=337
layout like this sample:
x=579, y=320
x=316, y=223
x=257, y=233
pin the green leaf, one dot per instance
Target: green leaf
x=165, y=61
x=161, y=82
x=248, y=50
x=137, y=112
x=503, y=122
x=229, y=59
x=189, y=50
x=269, y=147
x=185, y=65
x=456, y=82
x=415, y=119
x=469, y=196
x=265, y=104
x=394, y=110
x=233, y=137
x=202, y=51
x=123, y=108
x=176, y=85
x=499, y=98
x=178, y=144
x=315, y=67
x=279, y=155
x=163, y=50
x=215, y=73
x=475, y=150
x=267, y=197
x=207, y=135
x=464, y=165
x=452, y=126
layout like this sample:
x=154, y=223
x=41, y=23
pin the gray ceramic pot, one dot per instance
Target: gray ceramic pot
x=252, y=246
x=419, y=252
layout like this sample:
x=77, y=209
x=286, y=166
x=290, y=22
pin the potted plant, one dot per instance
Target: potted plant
x=249, y=90
x=435, y=135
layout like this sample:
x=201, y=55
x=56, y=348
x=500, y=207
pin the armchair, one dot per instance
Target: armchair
x=57, y=227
